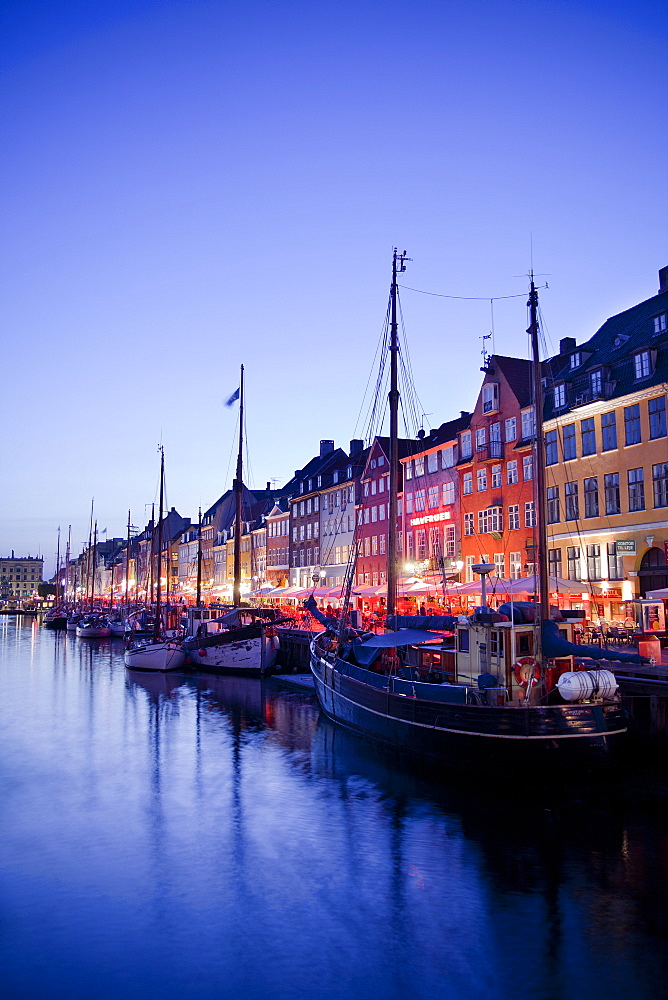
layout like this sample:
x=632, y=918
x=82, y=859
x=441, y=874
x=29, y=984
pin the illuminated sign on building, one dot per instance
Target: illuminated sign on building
x=430, y=518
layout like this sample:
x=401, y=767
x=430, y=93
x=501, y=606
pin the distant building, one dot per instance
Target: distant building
x=20, y=577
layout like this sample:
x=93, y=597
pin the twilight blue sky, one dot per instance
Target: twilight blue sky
x=190, y=185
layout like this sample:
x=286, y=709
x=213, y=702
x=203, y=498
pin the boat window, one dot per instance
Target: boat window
x=462, y=640
x=524, y=643
x=496, y=644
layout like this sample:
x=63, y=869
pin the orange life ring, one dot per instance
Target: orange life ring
x=526, y=669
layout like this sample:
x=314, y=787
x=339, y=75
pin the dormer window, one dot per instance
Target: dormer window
x=528, y=424
x=560, y=396
x=661, y=323
x=490, y=397
x=381, y=460
x=596, y=382
x=642, y=364
x=335, y=477
x=409, y=469
x=349, y=472
x=373, y=463
x=576, y=360
x=620, y=340
x=301, y=487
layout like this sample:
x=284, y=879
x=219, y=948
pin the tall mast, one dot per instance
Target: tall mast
x=238, y=487
x=127, y=565
x=94, y=566
x=58, y=569
x=539, y=459
x=398, y=266
x=151, y=574
x=67, y=562
x=156, y=624
x=198, y=602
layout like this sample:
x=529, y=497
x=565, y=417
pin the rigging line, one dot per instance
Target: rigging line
x=465, y=298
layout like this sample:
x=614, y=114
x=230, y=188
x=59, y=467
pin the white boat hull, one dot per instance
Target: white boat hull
x=239, y=656
x=155, y=656
x=119, y=628
x=92, y=631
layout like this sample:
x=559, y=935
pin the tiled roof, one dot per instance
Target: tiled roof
x=612, y=350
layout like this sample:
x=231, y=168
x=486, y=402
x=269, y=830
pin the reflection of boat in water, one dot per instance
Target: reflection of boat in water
x=488, y=690
x=156, y=684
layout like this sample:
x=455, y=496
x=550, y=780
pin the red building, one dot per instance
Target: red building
x=373, y=512
x=496, y=472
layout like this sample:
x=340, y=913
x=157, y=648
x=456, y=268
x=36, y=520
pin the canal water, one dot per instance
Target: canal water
x=191, y=837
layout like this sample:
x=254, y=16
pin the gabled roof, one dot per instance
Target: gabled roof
x=517, y=373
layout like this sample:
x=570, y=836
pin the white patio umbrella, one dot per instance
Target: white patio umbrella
x=658, y=595
x=529, y=585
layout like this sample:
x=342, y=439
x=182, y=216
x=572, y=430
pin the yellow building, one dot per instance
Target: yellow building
x=606, y=448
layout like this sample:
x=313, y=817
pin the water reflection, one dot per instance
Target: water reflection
x=181, y=835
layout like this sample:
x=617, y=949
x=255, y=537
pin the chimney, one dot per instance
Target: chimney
x=356, y=446
x=663, y=280
x=326, y=447
x=268, y=487
x=567, y=344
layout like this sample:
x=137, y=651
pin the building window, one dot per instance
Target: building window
x=529, y=514
x=596, y=382
x=408, y=471
x=420, y=499
x=573, y=555
x=588, y=433
x=490, y=397
x=409, y=503
x=657, y=417
x=576, y=360
x=496, y=477
x=448, y=457
x=553, y=505
x=513, y=517
x=511, y=472
x=642, y=364
x=499, y=564
x=448, y=493
x=560, y=396
x=554, y=562
x=570, y=443
x=419, y=465
x=612, y=498
x=594, y=561
x=660, y=323
x=515, y=565
x=374, y=545
x=470, y=562
x=374, y=513
x=632, y=424
x=591, y=496
x=609, y=431
x=469, y=528
x=572, y=503
x=511, y=429
x=615, y=565
x=449, y=542
x=551, y=448
x=466, y=444
x=480, y=439
x=481, y=480
x=527, y=468
x=432, y=462
x=528, y=424
x=468, y=482
x=381, y=545
x=636, y=489
x=660, y=484
x=432, y=497
x=490, y=520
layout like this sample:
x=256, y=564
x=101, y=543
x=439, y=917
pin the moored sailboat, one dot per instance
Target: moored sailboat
x=484, y=689
x=244, y=640
x=161, y=651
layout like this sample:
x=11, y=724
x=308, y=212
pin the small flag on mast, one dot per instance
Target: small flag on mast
x=233, y=398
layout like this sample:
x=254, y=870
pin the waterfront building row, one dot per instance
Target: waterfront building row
x=466, y=490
